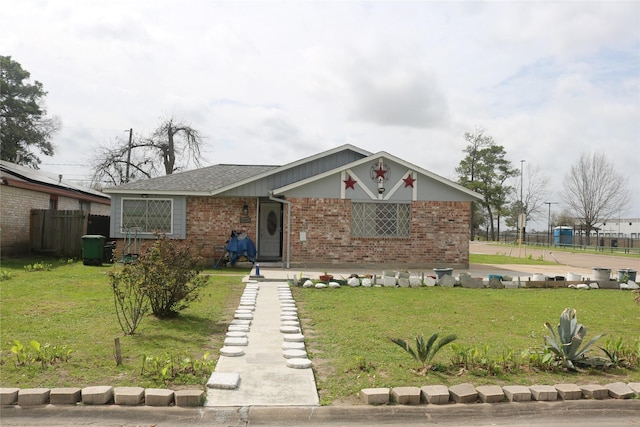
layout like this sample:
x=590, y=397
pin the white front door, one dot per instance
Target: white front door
x=270, y=231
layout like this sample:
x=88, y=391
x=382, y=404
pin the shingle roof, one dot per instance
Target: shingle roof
x=203, y=180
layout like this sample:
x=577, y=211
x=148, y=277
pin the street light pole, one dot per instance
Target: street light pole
x=521, y=220
x=549, y=222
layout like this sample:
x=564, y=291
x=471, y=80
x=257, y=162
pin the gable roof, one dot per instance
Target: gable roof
x=383, y=154
x=37, y=180
x=216, y=179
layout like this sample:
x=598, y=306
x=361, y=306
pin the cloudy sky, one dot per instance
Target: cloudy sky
x=270, y=82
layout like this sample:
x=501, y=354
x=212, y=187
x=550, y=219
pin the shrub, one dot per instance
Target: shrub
x=129, y=298
x=170, y=276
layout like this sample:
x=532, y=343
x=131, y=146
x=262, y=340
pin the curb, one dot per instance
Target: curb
x=471, y=414
x=396, y=397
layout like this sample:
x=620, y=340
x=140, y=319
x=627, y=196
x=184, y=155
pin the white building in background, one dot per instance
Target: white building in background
x=620, y=227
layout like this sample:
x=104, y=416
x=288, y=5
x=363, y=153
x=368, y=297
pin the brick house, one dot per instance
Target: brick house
x=341, y=206
x=23, y=189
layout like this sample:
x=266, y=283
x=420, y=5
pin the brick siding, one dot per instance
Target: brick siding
x=15, y=212
x=211, y=220
x=439, y=232
x=439, y=235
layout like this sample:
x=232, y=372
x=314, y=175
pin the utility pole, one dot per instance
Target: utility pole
x=128, y=155
x=549, y=222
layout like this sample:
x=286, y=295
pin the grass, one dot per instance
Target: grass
x=504, y=259
x=72, y=305
x=348, y=333
x=595, y=250
x=348, y=330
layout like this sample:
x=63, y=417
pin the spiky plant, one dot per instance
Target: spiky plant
x=425, y=351
x=566, y=344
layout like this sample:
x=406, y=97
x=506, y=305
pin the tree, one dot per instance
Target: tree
x=485, y=171
x=120, y=164
x=534, y=194
x=563, y=218
x=171, y=147
x=24, y=125
x=594, y=191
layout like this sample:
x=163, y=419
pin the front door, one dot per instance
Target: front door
x=270, y=231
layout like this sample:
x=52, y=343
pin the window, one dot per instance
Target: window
x=380, y=220
x=147, y=215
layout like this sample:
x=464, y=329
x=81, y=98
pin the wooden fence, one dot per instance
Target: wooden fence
x=59, y=233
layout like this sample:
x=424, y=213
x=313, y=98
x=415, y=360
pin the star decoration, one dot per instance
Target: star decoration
x=408, y=181
x=380, y=172
x=349, y=183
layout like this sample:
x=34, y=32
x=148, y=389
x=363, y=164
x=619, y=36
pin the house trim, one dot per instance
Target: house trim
x=18, y=183
x=381, y=154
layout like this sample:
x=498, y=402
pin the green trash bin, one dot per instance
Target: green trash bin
x=92, y=249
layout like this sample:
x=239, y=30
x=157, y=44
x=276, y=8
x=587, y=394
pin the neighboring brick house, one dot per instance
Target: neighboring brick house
x=23, y=189
x=342, y=206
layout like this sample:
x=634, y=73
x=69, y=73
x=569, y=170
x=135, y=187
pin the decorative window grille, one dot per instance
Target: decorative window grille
x=147, y=215
x=380, y=219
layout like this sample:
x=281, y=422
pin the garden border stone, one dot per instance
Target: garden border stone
x=33, y=396
x=65, y=396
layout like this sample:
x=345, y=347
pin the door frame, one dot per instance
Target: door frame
x=259, y=255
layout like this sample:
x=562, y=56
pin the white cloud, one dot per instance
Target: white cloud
x=270, y=82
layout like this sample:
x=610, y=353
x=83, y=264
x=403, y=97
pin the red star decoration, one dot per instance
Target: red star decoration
x=349, y=183
x=380, y=172
x=408, y=181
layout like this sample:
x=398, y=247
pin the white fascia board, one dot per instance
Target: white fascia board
x=373, y=157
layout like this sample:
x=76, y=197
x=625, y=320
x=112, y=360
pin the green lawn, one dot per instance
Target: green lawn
x=72, y=305
x=504, y=259
x=347, y=330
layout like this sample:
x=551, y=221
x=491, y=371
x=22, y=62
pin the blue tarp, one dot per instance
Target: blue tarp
x=240, y=245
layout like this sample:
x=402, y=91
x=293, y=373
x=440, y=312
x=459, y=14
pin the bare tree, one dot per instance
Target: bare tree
x=535, y=193
x=171, y=147
x=119, y=164
x=172, y=140
x=594, y=191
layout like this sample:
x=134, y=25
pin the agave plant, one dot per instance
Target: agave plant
x=425, y=350
x=566, y=344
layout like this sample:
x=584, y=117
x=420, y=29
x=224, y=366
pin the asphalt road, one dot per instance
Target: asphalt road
x=585, y=413
x=577, y=259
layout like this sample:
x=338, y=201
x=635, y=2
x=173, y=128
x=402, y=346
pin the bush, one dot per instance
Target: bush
x=129, y=298
x=170, y=276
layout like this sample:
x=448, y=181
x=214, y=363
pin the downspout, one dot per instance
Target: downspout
x=288, y=203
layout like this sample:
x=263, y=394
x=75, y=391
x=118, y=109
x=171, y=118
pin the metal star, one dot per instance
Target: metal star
x=349, y=183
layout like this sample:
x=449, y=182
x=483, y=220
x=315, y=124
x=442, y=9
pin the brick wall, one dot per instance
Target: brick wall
x=15, y=211
x=100, y=209
x=211, y=220
x=440, y=235
x=440, y=232
x=68, y=204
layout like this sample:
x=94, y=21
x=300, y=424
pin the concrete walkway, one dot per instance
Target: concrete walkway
x=265, y=330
